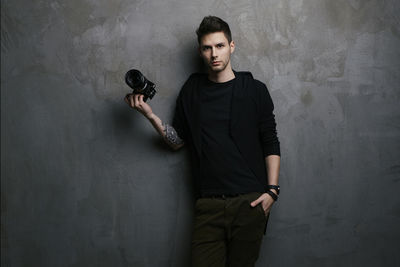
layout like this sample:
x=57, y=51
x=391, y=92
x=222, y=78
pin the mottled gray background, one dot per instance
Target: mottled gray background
x=85, y=181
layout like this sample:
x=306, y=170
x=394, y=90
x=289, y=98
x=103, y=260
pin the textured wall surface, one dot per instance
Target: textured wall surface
x=85, y=181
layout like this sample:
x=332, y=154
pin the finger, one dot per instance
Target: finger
x=132, y=103
x=268, y=210
x=255, y=202
x=141, y=99
x=137, y=100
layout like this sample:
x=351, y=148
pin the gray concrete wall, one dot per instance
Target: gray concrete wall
x=85, y=181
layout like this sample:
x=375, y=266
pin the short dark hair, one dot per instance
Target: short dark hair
x=211, y=24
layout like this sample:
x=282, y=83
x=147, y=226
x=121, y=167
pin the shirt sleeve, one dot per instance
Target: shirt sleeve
x=266, y=122
x=178, y=121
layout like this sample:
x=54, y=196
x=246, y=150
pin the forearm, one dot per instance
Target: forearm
x=166, y=131
x=272, y=163
x=157, y=124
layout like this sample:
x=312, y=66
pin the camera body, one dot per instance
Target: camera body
x=140, y=85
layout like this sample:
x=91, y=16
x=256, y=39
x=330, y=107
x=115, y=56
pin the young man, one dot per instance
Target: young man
x=226, y=119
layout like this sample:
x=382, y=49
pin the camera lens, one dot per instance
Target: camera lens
x=140, y=85
x=135, y=79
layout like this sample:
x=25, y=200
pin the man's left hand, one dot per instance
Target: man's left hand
x=265, y=201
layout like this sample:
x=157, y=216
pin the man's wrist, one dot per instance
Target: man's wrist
x=274, y=190
x=272, y=194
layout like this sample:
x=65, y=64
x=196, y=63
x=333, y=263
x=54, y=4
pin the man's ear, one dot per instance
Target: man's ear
x=232, y=45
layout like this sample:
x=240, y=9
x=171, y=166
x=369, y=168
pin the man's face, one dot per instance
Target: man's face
x=216, y=51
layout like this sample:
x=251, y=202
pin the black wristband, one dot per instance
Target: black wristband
x=276, y=187
x=272, y=194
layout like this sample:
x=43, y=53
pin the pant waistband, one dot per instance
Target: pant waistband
x=223, y=196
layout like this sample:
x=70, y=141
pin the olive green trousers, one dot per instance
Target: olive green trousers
x=227, y=231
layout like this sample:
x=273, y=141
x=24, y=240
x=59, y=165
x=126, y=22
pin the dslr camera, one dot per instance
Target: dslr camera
x=140, y=85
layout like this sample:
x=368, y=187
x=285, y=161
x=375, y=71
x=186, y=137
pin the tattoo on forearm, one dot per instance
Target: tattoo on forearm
x=171, y=136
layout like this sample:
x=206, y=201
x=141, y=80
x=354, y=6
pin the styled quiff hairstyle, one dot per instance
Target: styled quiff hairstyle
x=211, y=24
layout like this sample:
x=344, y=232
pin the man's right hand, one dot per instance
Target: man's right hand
x=166, y=131
x=136, y=101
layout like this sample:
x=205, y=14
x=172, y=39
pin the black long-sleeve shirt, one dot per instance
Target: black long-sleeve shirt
x=251, y=127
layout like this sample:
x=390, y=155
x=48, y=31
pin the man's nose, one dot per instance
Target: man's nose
x=213, y=52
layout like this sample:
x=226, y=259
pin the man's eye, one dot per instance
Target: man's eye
x=205, y=48
x=220, y=45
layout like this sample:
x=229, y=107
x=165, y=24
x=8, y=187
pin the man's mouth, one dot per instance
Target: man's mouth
x=215, y=63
